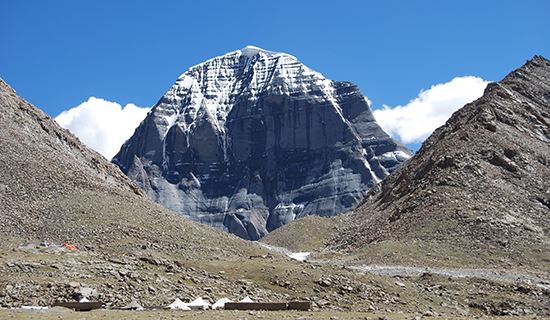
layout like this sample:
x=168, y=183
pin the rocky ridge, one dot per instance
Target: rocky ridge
x=478, y=184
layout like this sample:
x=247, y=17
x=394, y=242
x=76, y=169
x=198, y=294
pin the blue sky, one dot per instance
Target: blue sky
x=57, y=54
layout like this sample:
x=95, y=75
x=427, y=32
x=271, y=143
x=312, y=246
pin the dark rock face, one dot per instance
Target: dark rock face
x=253, y=139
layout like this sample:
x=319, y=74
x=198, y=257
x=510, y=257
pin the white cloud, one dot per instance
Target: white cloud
x=416, y=120
x=102, y=125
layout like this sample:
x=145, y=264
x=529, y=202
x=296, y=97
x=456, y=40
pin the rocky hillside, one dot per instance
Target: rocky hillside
x=305, y=235
x=478, y=191
x=253, y=139
x=72, y=226
x=55, y=189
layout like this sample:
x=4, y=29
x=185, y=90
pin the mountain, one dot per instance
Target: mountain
x=253, y=139
x=73, y=226
x=55, y=190
x=122, y=246
x=478, y=191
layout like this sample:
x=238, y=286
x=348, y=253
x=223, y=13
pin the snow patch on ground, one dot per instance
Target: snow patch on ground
x=298, y=256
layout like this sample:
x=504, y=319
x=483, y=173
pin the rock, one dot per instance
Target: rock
x=400, y=284
x=322, y=302
x=87, y=292
x=240, y=146
x=346, y=288
x=428, y=313
x=151, y=260
x=116, y=261
x=500, y=160
x=123, y=272
x=324, y=282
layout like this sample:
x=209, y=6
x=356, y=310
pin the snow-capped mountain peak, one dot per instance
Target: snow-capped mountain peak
x=210, y=89
x=251, y=51
x=253, y=139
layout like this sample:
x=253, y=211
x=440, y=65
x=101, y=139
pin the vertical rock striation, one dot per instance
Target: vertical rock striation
x=254, y=139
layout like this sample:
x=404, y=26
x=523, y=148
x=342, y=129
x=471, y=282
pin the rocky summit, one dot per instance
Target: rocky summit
x=479, y=186
x=254, y=139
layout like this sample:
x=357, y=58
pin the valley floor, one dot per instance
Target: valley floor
x=65, y=314
x=37, y=277
x=538, y=279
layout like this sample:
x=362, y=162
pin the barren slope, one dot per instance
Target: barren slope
x=54, y=189
x=478, y=191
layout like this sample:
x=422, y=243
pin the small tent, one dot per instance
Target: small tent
x=178, y=305
x=199, y=304
x=84, y=299
x=246, y=299
x=220, y=304
x=134, y=305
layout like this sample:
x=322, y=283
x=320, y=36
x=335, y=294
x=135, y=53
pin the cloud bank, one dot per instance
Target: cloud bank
x=102, y=125
x=415, y=121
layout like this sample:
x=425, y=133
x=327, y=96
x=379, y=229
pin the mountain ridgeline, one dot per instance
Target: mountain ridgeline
x=254, y=139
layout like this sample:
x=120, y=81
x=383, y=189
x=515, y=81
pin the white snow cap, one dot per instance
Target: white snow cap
x=248, y=51
x=246, y=299
x=205, y=92
x=251, y=51
x=220, y=304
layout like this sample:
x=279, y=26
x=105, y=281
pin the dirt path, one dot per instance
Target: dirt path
x=487, y=274
x=408, y=271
